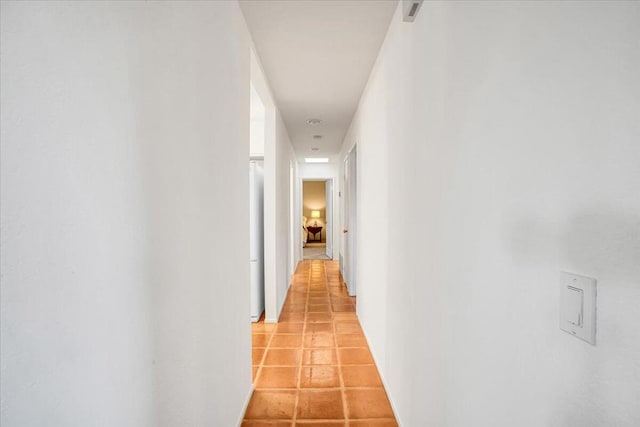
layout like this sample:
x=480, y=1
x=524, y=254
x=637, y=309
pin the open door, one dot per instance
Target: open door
x=328, y=194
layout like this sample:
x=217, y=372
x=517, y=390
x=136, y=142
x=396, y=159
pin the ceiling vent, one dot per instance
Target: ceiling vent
x=410, y=9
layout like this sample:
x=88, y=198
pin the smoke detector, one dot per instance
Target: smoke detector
x=314, y=122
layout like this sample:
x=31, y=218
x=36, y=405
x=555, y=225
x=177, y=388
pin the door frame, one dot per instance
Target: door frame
x=301, y=206
x=329, y=219
x=349, y=214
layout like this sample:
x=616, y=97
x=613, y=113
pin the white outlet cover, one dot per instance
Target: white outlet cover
x=578, y=306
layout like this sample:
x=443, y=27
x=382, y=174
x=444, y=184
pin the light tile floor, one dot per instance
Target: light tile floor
x=314, y=367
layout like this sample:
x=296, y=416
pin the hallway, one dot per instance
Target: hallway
x=481, y=169
x=314, y=367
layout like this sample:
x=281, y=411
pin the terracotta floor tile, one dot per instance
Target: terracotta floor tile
x=319, y=376
x=265, y=423
x=266, y=404
x=348, y=327
x=261, y=327
x=316, y=348
x=277, y=377
x=374, y=423
x=344, y=308
x=319, y=317
x=287, y=341
x=319, y=340
x=320, y=356
x=368, y=403
x=351, y=340
x=290, y=328
x=361, y=376
x=320, y=404
x=283, y=357
x=257, y=355
x=291, y=317
x=294, y=308
x=345, y=316
x=254, y=371
x=319, y=308
x=315, y=328
x=355, y=356
x=260, y=340
x=321, y=423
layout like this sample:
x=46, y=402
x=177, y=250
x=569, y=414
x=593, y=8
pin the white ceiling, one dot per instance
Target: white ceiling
x=317, y=56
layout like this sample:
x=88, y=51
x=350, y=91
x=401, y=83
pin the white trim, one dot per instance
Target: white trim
x=245, y=405
x=394, y=408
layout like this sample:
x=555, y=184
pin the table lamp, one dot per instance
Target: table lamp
x=315, y=214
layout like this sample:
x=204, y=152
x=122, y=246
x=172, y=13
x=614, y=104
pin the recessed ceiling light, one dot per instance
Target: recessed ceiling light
x=317, y=136
x=315, y=149
x=316, y=160
x=314, y=122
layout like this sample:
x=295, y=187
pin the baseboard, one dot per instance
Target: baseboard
x=244, y=407
x=384, y=381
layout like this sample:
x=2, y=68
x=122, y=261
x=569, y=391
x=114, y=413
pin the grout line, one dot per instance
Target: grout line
x=304, y=330
x=343, y=393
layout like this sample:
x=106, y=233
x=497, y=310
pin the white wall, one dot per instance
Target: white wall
x=278, y=153
x=498, y=143
x=284, y=155
x=315, y=171
x=124, y=214
x=257, y=124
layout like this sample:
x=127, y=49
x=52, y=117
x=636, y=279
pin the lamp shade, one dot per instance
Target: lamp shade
x=315, y=214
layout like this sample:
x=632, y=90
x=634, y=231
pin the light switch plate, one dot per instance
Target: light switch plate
x=578, y=306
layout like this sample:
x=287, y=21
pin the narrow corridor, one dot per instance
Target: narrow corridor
x=314, y=367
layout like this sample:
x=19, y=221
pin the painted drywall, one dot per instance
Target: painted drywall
x=257, y=124
x=323, y=171
x=498, y=144
x=284, y=156
x=314, y=198
x=124, y=211
x=278, y=154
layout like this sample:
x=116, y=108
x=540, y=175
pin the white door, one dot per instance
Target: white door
x=344, y=247
x=328, y=226
x=349, y=230
x=292, y=221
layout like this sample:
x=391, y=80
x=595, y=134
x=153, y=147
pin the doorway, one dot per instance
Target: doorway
x=317, y=221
